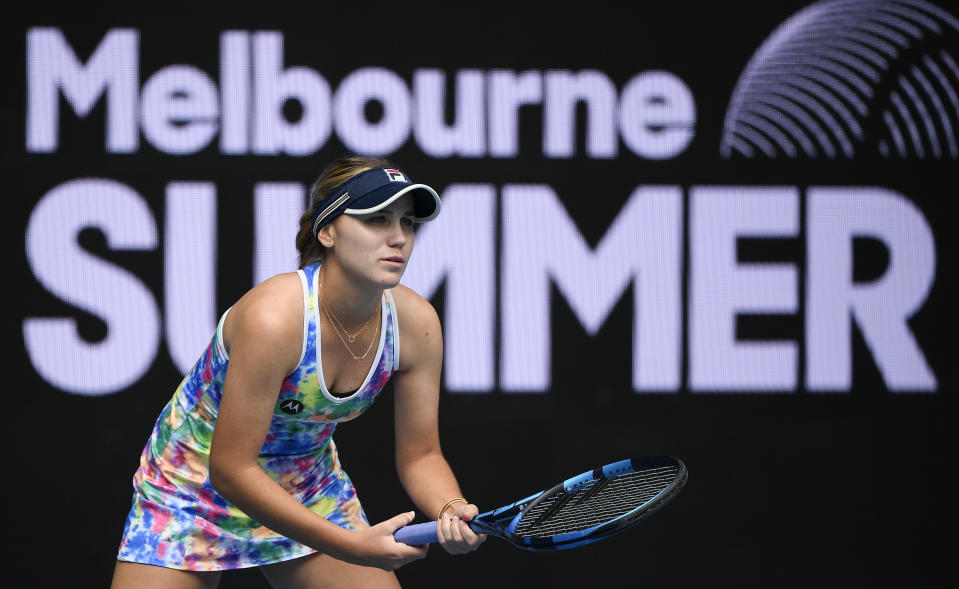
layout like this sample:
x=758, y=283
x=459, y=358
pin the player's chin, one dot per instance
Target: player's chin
x=388, y=281
x=390, y=277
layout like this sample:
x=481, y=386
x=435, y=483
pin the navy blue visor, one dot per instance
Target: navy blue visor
x=372, y=190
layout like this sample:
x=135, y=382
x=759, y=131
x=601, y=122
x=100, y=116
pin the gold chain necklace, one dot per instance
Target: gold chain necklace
x=337, y=322
x=346, y=345
x=337, y=326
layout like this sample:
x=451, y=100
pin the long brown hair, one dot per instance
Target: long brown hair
x=335, y=174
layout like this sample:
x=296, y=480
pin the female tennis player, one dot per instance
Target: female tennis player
x=241, y=469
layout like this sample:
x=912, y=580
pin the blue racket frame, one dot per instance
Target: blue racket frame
x=503, y=521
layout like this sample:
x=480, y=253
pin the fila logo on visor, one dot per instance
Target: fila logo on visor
x=395, y=175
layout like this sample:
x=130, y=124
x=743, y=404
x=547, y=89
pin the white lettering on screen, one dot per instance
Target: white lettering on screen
x=189, y=261
x=113, y=295
x=720, y=288
x=112, y=70
x=541, y=246
x=181, y=110
x=277, y=207
x=643, y=246
x=881, y=308
x=273, y=85
x=461, y=252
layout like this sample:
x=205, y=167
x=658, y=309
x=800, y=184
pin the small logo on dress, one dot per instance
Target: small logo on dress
x=291, y=406
x=395, y=175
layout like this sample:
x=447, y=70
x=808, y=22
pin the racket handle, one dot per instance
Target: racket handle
x=416, y=534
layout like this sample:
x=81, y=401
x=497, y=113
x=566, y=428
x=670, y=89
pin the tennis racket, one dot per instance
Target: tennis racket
x=581, y=510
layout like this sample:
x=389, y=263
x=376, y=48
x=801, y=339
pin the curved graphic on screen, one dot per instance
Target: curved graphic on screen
x=849, y=77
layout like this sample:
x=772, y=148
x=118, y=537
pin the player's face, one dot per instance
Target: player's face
x=376, y=247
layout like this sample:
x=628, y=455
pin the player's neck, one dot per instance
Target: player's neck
x=348, y=300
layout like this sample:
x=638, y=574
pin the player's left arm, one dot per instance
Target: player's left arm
x=422, y=468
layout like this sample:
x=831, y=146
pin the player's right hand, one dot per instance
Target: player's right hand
x=376, y=547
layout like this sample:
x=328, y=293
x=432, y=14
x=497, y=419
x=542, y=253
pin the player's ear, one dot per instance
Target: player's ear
x=325, y=236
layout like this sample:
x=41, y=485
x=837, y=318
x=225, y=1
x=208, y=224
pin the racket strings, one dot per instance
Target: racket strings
x=594, y=504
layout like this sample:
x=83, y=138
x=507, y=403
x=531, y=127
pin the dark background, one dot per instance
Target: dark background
x=796, y=489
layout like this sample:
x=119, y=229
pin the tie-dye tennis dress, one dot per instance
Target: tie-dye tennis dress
x=178, y=520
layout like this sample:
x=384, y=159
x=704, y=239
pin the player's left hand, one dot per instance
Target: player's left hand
x=454, y=535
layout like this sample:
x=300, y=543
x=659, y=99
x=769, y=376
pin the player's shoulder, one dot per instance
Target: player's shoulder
x=413, y=309
x=281, y=289
x=286, y=283
x=272, y=307
x=419, y=330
